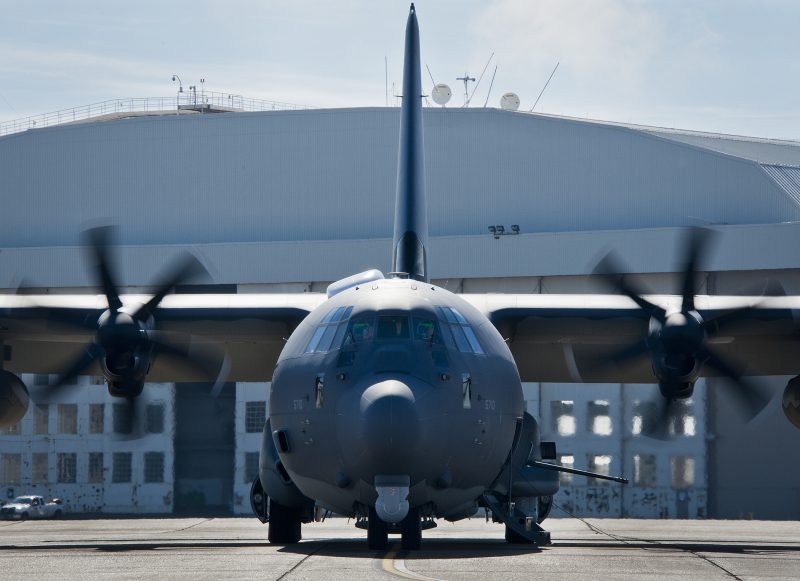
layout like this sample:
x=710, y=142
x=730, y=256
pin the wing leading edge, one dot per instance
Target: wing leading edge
x=40, y=334
x=580, y=338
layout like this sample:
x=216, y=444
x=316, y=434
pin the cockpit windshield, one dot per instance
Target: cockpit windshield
x=427, y=330
x=393, y=328
x=361, y=330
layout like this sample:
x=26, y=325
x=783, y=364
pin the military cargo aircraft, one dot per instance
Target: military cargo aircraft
x=395, y=401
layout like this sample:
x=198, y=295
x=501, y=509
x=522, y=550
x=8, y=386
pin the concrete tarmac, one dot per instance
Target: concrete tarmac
x=236, y=548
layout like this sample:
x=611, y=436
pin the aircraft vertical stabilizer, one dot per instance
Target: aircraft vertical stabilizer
x=409, y=254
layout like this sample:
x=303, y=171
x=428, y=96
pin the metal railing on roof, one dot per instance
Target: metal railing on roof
x=186, y=100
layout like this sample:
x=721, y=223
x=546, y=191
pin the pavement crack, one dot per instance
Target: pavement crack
x=627, y=540
x=301, y=561
x=205, y=520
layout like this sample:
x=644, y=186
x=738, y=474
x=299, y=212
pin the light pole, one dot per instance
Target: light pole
x=180, y=90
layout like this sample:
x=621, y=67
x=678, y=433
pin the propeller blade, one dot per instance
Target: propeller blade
x=696, y=243
x=84, y=360
x=128, y=421
x=748, y=397
x=714, y=325
x=211, y=363
x=98, y=239
x=185, y=268
x=666, y=412
x=604, y=362
x=610, y=269
x=630, y=352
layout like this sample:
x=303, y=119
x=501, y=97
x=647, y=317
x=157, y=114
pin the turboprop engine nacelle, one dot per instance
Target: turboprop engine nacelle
x=791, y=401
x=14, y=399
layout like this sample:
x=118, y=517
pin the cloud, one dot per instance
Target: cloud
x=609, y=41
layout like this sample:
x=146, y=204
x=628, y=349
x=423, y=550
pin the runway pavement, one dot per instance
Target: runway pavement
x=236, y=548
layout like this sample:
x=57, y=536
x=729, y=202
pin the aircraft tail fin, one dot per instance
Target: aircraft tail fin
x=409, y=245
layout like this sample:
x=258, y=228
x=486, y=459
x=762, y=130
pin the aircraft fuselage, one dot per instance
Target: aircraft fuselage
x=395, y=378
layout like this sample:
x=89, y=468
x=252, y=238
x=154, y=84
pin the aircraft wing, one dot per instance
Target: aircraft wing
x=42, y=334
x=585, y=338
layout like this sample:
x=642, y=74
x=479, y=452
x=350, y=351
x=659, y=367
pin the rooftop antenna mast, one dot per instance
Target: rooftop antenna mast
x=475, y=88
x=430, y=74
x=491, y=84
x=466, y=78
x=545, y=86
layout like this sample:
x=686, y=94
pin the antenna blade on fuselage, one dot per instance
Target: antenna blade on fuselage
x=409, y=247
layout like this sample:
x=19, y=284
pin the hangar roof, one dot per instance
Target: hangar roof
x=758, y=149
x=329, y=174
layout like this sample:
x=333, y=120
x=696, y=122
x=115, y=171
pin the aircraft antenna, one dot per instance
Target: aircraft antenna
x=466, y=78
x=545, y=86
x=489, y=94
x=475, y=88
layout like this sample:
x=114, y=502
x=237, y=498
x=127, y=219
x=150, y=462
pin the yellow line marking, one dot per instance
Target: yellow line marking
x=397, y=567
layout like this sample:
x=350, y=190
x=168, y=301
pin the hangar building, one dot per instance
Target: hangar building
x=291, y=200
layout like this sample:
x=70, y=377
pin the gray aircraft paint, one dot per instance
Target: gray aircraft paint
x=367, y=423
x=410, y=243
x=395, y=411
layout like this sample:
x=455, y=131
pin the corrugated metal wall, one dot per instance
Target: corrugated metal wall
x=330, y=174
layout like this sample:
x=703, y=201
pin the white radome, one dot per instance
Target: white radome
x=509, y=102
x=441, y=94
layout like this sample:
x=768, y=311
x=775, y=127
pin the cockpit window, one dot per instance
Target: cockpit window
x=427, y=330
x=328, y=336
x=393, y=328
x=337, y=314
x=463, y=334
x=361, y=330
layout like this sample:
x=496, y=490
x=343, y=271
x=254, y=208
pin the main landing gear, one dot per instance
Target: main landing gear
x=410, y=529
x=284, y=524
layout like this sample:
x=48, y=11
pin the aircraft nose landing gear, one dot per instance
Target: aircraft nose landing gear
x=410, y=529
x=377, y=532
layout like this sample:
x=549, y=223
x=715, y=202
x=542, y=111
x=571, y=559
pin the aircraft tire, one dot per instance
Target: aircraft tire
x=515, y=538
x=284, y=524
x=411, y=529
x=377, y=532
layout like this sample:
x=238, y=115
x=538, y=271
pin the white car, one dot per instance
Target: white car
x=31, y=506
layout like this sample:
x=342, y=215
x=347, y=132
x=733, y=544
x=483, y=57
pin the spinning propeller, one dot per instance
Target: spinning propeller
x=126, y=340
x=678, y=340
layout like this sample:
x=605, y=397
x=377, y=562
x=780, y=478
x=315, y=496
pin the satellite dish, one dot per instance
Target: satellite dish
x=441, y=94
x=509, y=102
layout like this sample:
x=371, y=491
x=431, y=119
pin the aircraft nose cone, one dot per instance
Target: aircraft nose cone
x=390, y=423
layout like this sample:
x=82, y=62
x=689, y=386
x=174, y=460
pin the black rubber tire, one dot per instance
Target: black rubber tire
x=411, y=529
x=25, y=516
x=515, y=538
x=58, y=514
x=284, y=524
x=377, y=532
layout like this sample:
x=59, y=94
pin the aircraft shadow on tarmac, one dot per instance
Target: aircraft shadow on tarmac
x=431, y=548
x=483, y=548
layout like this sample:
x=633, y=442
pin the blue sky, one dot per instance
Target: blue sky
x=731, y=66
